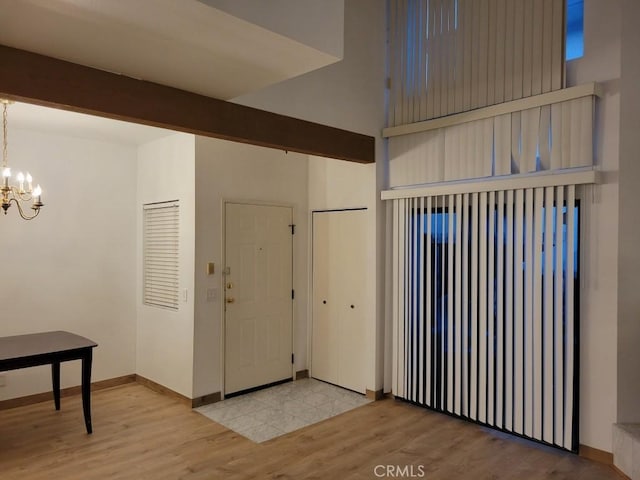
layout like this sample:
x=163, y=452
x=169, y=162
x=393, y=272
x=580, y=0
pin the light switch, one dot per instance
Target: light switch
x=211, y=268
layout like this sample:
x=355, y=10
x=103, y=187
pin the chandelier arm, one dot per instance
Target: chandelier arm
x=21, y=212
x=25, y=197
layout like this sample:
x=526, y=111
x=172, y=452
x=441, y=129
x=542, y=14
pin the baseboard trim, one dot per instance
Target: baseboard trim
x=156, y=387
x=374, y=395
x=596, y=454
x=206, y=399
x=300, y=374
x=64, y=392
x=621, y=473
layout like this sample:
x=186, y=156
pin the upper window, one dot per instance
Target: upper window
x=575, y=29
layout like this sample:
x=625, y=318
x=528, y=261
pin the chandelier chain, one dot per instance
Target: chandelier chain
x=4, y=134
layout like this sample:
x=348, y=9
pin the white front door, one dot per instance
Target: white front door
x=258, y=295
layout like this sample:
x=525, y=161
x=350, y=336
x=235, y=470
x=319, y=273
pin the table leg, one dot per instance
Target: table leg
x=55, y=381
x=86, y=389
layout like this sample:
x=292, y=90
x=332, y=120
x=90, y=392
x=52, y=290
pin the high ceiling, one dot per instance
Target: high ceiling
x=216, y=48
x=186, y=44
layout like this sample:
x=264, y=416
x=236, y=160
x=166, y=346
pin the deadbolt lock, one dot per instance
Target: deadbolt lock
x=229, y=286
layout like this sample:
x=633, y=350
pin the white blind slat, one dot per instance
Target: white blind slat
x=450, y=307
x=527, y=45
x=547, y=45
x=500, y=316
x=569, y=316
x=473, y=410
x=397, y=266
x=491, y=314
x=509, y=313
x=482, y=313
x=538, y=232
x=547, y=322
x=458, y=306
x=528, y=313
x=559, y=327
x=518, y=347
x=161, y=254
x=465, y=311
x=537, y=45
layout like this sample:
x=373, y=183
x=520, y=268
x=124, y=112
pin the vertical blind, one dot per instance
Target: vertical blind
x=451, y=56
x=547, y=138
x=485, y=308
x=160, y=254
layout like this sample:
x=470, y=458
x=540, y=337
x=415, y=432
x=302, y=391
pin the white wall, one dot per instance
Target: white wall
x=234, y=171
x=629, y=251
x=351, y=95
x=164, y=352
x=599, y=290
x=71, y=268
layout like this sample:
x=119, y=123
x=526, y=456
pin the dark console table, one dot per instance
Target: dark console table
x=22, y=351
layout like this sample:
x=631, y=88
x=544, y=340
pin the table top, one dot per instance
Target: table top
x=20, y=346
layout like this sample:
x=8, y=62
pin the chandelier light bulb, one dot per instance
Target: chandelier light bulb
x=16, y=193
x=20, y=178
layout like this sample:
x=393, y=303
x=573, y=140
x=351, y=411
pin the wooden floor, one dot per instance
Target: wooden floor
x=140, y=434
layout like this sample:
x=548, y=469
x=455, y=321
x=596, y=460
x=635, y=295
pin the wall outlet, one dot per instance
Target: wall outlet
x=3, y=380
x=212, y=294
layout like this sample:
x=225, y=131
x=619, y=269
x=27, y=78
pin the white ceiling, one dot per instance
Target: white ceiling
x=61, y=122
x=186, y=44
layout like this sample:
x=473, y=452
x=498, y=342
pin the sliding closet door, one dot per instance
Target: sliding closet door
x=339, y=277
x=324, y=335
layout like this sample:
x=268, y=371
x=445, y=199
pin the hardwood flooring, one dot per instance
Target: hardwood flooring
x=141, y=434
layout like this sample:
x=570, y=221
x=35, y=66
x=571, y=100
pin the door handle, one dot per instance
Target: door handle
x=231, y=300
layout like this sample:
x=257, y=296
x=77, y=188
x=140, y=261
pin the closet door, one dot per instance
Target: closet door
x=324, y=334
x=339, y=276
x=350, y=279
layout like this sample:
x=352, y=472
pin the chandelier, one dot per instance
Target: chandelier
x=19, y=194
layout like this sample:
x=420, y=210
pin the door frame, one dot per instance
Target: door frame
x=310, y=277
x=223, y=314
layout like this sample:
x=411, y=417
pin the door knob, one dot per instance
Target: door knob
x=231, y=300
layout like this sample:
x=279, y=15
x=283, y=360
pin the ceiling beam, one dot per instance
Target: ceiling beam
x=46, y=81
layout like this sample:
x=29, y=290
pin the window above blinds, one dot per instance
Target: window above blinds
x=160, y=254
x=575, y=29
x=452, y=56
